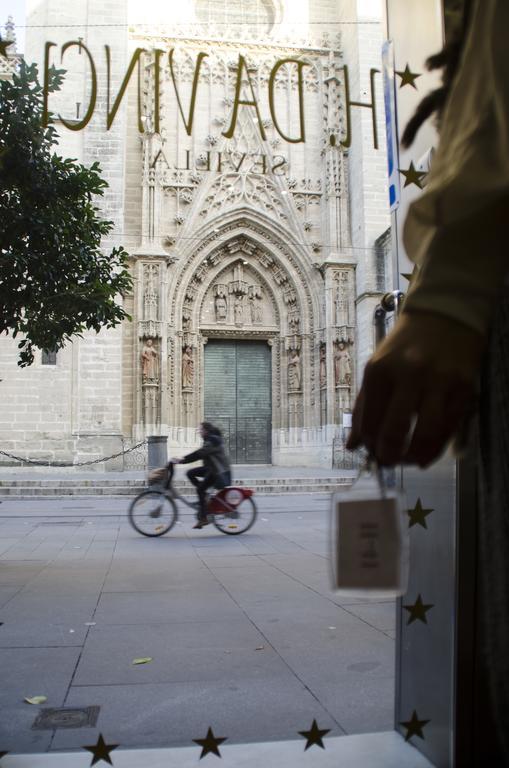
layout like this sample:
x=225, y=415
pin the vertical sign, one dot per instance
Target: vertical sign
x=391, y=123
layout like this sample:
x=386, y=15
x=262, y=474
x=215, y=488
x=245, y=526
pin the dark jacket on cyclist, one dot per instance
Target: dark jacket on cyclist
x=213, y=456
x=215, y=471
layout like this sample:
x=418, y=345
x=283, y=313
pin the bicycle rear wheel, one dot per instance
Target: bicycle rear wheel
x=152, y=513
x=238, y=521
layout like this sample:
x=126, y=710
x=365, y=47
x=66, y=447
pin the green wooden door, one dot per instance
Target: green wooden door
x=238, y=397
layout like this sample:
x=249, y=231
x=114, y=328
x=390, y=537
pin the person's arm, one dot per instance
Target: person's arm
x=209, y=447
x=453, y=232
x=419, y=384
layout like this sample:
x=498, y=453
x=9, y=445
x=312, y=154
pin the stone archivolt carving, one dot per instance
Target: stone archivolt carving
x=261, y=254
x=238, y=286
x=187, y=368
x=294, y=321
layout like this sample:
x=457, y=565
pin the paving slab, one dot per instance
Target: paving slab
x=200, y=604
x=19, y=572
x=7, y=593
x=175, y=714
x=31, y=672
x=379, y=615
x=69, y=609
x=159, y=607
x=108, y=661
x=27, y=633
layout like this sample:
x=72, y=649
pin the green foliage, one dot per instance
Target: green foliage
x=55, y=281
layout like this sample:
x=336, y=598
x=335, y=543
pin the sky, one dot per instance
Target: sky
x=16, y=9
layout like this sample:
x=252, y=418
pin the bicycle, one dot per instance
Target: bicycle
x=154, y=511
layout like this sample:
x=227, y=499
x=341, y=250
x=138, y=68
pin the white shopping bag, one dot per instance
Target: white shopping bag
x=369, y=540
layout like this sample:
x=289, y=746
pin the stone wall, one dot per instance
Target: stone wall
x=303, y=239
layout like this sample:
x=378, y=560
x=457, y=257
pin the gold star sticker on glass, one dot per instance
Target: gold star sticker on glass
x=210, y=744
x=314, y=736
x=418, y=611
x=418, y=515
x=410, y=276
x=407, y=77
x=414, y=726
x=101, y=751
x=412, y=176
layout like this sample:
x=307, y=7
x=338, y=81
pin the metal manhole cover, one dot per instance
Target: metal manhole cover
x=48, y=719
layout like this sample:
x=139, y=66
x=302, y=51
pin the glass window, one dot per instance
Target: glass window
x=49, y=357
x=256, y=14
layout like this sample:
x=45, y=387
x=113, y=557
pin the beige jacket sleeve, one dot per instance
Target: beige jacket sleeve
x=457, y=231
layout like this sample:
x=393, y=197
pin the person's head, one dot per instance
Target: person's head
x=149, y=342
x=206, y=428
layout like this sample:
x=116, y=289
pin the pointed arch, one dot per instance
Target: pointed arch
x=283, y=265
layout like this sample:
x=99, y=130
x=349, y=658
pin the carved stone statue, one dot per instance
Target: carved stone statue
x=341, y=308
x=149, y=363
x=342, y=365
x=187, y=368
x=220, y=307
x=294, y=371
x=255, y=309
x=150, y=298
x=323, y=365
x=238, y=310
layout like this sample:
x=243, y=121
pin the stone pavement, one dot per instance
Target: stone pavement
x=244, y=633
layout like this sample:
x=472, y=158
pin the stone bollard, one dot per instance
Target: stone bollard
x=157, y=451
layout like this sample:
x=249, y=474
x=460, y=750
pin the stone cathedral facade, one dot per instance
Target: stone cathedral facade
x=251, y=227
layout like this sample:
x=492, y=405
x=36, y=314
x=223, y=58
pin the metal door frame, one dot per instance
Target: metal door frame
x=270, y=419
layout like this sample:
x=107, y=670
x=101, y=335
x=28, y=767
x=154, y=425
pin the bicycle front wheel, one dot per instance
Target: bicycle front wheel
x=238, y=521
x=152, y=513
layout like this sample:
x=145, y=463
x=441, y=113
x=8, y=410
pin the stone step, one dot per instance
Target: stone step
x=100, y=487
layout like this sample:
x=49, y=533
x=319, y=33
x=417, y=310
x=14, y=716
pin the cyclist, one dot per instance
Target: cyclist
x=215, y=471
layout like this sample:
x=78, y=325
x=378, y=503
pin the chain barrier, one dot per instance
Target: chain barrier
x=41, y=463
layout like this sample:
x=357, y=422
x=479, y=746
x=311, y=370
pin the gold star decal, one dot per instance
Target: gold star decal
x=418, y=515
x=411, y=276
x=417, y=611
x=101, y=751
x=314, y=736
x=407, y=77
x=414, y=726
x=210, y=744
x=412, y=176
x=4, y=44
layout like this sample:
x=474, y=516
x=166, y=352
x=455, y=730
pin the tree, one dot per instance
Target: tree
x=55, y=280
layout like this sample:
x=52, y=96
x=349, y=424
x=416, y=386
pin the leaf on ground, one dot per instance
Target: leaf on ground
x=145, y=660
x=35, y=699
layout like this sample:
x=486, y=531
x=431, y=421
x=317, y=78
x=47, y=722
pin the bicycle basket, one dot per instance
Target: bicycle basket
x=158, y=476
